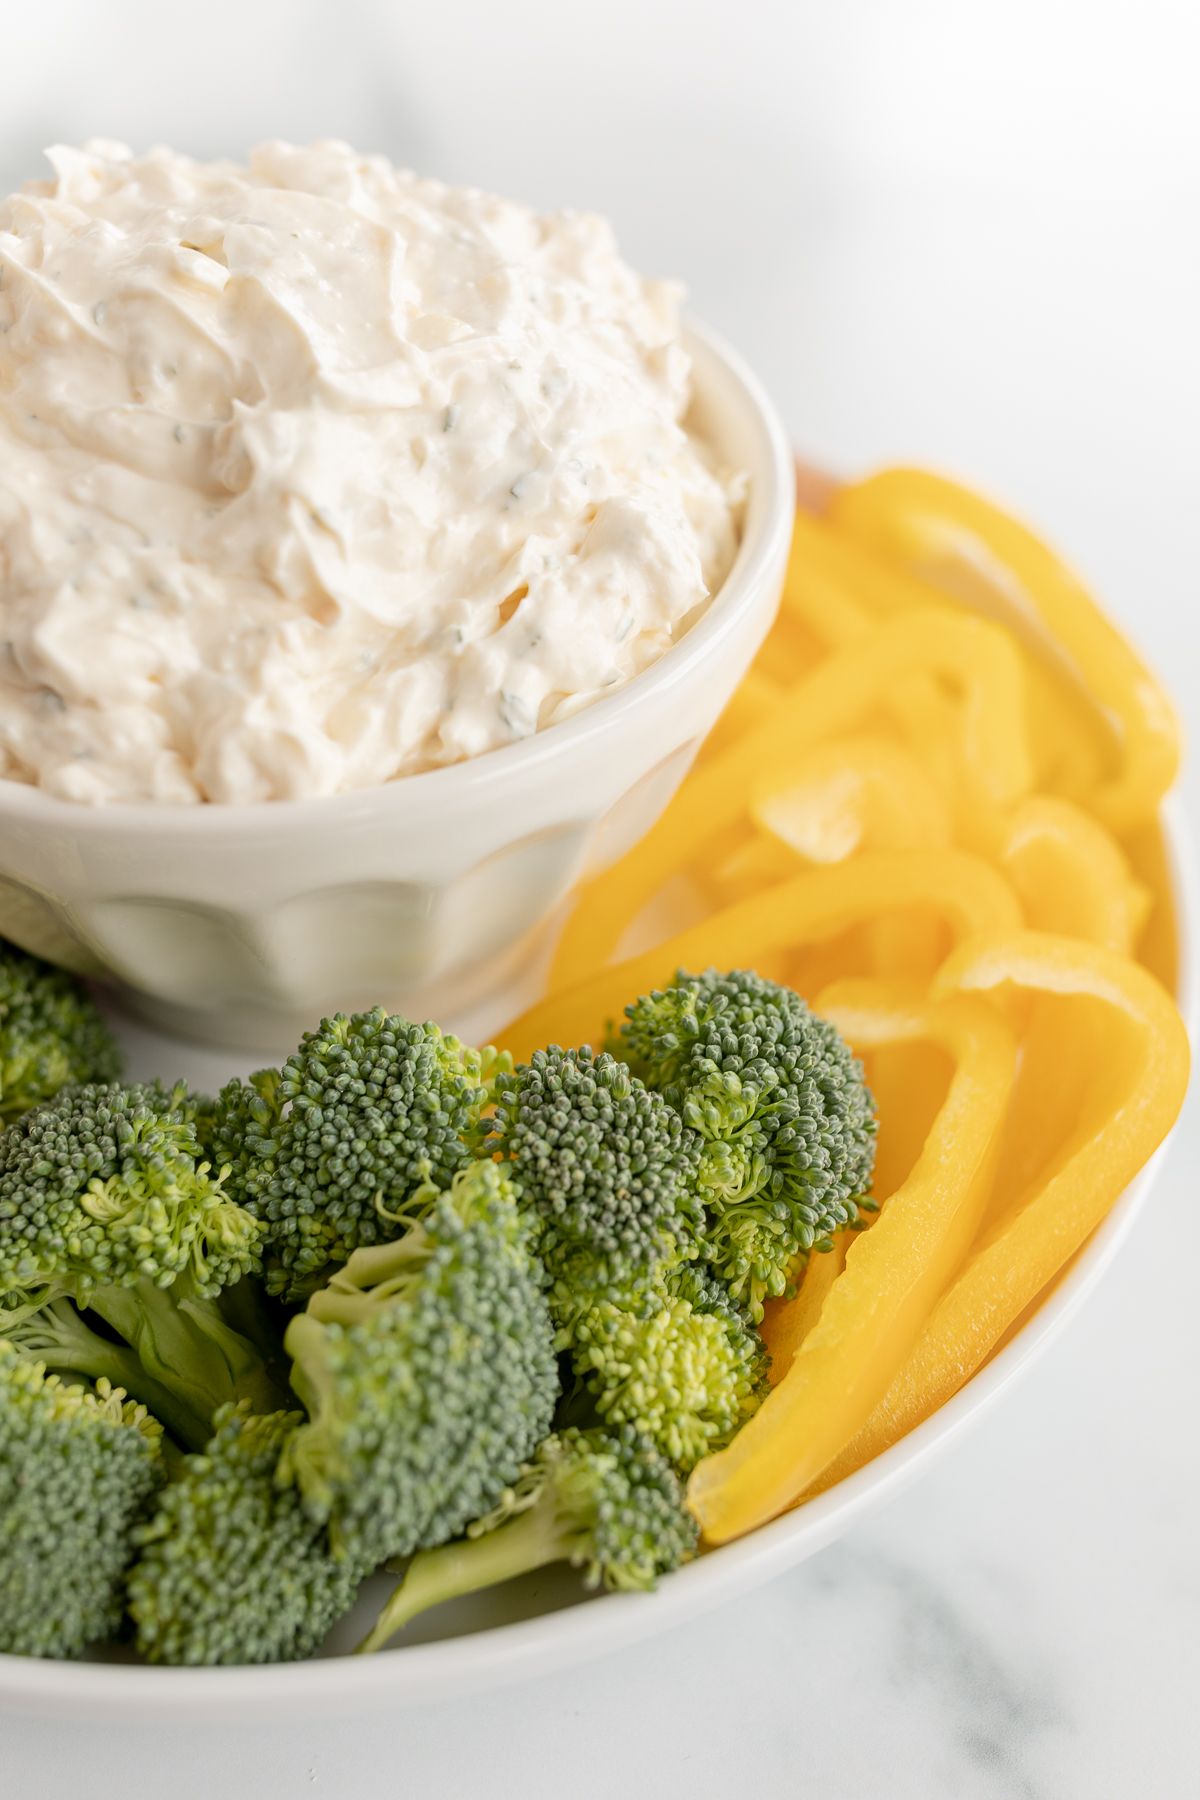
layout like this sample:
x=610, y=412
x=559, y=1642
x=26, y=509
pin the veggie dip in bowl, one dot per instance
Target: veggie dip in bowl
x=374, y=557
x=315, y=473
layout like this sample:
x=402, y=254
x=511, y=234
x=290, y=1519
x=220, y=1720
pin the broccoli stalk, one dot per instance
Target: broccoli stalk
x=60, y=1337
x=604, y=1501
x=176, y=1353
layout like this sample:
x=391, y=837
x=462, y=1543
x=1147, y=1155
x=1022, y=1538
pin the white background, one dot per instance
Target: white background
x=963, y=232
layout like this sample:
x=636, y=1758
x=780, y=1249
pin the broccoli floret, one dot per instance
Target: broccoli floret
x=428, y=1370
x=104, y=1185
x=683, y=1364
x=50, y=1034
x=78, y=1470
x=607, y=1166
x=232, y=1569
x=787, y=1124
x=327, y=1149
x=105, y=1206
x=604, y=1501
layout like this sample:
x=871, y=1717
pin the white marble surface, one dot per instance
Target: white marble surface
x=963, y=234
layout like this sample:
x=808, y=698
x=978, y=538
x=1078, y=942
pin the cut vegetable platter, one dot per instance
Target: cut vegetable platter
x=937, y=809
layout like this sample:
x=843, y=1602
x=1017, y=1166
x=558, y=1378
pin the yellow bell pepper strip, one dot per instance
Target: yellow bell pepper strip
x=841, y=594
x=817, y=592
x=755, y=695
x=841, y=796
x=909, y=1083
x=1131, y=1110
x=1158, y=941
x=789, y=652
x=1071, y=876
x=860, y=576
x=849, y=793
x=921, y=517
x=758, y=861
x=977, y=656
x=969, y=894
x=857, y=793
x=786, y=1323
x=894, y=1270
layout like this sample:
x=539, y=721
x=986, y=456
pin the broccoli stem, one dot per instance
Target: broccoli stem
x=63, y=1340
x=184, y=1345
x=527, y=1542
x=246, y=1310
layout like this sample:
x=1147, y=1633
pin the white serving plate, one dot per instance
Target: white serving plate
x=543, y=1623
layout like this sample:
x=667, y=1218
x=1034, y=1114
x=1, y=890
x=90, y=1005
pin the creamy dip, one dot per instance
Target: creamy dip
x=314, y=473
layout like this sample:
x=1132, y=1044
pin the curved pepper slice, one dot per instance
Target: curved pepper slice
x=1071, y=876
x=786, y=1323
x=978, y=656
x=755, y=695
x=1146, y=1051
x=839, y=797
x=962, y=889
x=894, y=1271
x=847, y=793
x=817, y=593
x=922, y=518
x=840, y=595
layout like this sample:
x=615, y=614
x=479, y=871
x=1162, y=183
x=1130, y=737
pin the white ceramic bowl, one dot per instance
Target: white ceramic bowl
x=542, y=1624
x=247, y=924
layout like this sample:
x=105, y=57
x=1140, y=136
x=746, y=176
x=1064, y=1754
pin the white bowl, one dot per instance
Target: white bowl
x=542, y=1624
x=245, y=924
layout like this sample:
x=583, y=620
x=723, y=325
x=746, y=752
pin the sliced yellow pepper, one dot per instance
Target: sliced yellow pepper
x=816, y=592
x=894, y=1271
x=978, y=656
x=838, y=572
x=786, y=1323
x=849, y=793
x=966, y=892
x=838, y=797
x=1152, y=865
x=1071, y=876
x=756, y=862
x=1133, y=1102
x=841, y=595
x=919, y=518
x=756, y=694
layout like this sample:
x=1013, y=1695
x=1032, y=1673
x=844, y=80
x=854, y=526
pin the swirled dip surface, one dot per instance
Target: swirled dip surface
x=314, y=473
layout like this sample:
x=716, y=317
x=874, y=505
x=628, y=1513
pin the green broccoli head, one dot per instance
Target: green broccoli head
x=779, y=1102
x=327, y=1150
x=683, y=1364
x=102, y=1186
x=605, y=1501
x=428, y=1370
x=231, y=1568
x=78, y=1470
x=51, y=1033
x=607, y=1166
